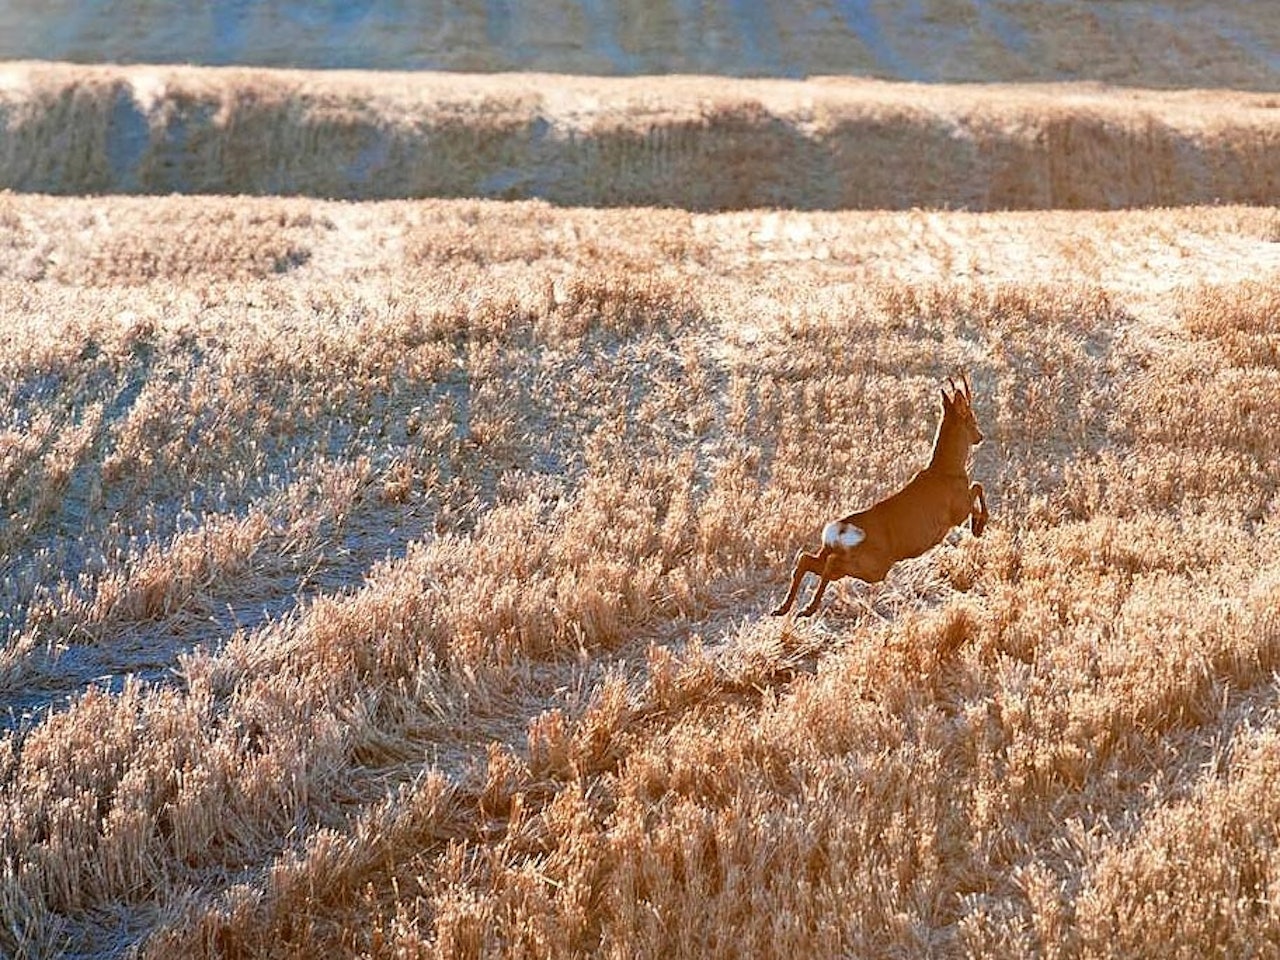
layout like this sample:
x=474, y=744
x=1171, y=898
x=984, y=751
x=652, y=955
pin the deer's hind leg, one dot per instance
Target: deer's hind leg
x=805, y=563
x=978, y=514
x=833, y=568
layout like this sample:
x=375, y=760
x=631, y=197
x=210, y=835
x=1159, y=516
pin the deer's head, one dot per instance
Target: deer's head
x=957, y=408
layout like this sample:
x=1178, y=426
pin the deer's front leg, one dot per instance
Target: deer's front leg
x=805, y=563
x=978, y=514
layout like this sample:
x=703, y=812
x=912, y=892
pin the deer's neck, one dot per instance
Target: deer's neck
x=950, y=449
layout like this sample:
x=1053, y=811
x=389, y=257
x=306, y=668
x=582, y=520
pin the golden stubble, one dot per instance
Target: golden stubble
x=456, y=552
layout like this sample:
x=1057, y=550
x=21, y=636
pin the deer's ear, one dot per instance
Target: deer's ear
x=947, y=402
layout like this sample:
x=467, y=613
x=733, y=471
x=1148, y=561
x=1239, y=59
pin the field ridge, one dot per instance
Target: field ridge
x=698, y=143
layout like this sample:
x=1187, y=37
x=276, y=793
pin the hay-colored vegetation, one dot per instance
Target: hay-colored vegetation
x=699, y=143
x=439, y=538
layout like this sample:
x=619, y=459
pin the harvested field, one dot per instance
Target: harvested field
x=697, y=143
x=390, y=579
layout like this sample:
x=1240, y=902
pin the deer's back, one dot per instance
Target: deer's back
x=917, y=517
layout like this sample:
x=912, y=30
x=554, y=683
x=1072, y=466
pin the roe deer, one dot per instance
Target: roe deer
x=866, y=544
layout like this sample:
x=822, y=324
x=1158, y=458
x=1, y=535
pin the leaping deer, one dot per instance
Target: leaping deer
x=916, y=518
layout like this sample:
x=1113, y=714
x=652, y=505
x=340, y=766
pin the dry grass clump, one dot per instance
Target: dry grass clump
x=441, y=565
x=260, y=249
x=1229, y=892
x=1239, y=323
x=484, y=234
x=141, y=241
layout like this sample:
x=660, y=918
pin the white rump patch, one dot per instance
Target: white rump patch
x=839, y=533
